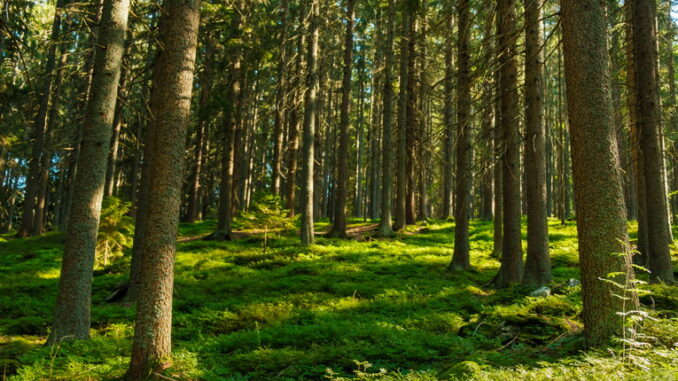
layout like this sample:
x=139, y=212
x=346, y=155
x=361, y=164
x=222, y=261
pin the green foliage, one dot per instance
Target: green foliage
x=342, y=310
x=115, y=230
x=268, y=214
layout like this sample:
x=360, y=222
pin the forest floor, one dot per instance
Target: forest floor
x=341, y=309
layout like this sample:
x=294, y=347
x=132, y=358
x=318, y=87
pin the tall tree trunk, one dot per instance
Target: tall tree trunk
x=498, y=233
x=109, y=187
x=231, y=125
x=511, y=268
x=281, y=100
x=72, y=316
x=601, y=218
x=538, y=261
x=403, y=100
x=294, y=123
x=310, y=100
x=170, y=106
x=339, y=223
x=448, y=123
x=636, y=156
x=385, y=228
x=461, y=259
x=40, y=129
x=411, y=117
x=193, y=209
x=645, y=61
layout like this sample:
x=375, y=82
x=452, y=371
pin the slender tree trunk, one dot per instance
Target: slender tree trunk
x=294, y=123
x=170, y=106
x=645, y=59
x=636, y=155
x=72, y=317
x=339, y=223
x=511, y=268
x=448, y=122
x=601, y=219
x=498, y=234
x=461, y=259
x=281, y=100
x=231, y=124
x=40, y=129
x=193, y=209
x=403, y=100
x=310, y=100
x=411, y=118
x=109, y=187
x=538, y=261
x=385, y=228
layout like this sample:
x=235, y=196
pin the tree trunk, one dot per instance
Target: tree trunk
x=461, y=259
x=601, y=219
x=170, y=106
x=339, y=223
x=294, y=123
x=72, y=317
x=403, y=100
x=538, y=261
x=281, y=100
x=40, y=130
x=109, y=187
x=511, y=268
x=231, y=125
x=385, y=228
x=649, y=121
x=307, y=231
x=636, y=156
x=448, y=122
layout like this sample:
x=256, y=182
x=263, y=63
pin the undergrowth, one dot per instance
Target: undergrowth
x=357, y=309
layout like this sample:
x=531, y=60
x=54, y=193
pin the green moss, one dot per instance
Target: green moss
x=293, y=312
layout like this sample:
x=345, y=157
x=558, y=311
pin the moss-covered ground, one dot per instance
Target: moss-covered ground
x=341, y=309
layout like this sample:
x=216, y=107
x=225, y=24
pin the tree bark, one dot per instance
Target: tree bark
x=403, y=100
x=281, y=100
x=40, y=130
x=170, y=106
x=645, y=60
x=601, y=218
x=511, y=268
x=538, y=262
x=339, y=223
x=461, y=259
x=72, y=316
x=385, y=228
x=307, y=231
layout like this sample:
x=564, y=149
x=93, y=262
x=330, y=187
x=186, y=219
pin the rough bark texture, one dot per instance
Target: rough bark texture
x=511, y=268
x=649, y=121
x=636, y=156
x=39, y=132
x=170, y=102
x=281, y=101
x=403, y=99
x=72, y=316
x=601, y=219
x=448, y=121
x=310, y=100
x=461, y=258
x=537, y=262
x=385, y=229
x=231, y=127
x=339, y=223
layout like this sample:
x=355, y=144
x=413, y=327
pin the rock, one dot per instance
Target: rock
x=541, y=292
x=573, y=283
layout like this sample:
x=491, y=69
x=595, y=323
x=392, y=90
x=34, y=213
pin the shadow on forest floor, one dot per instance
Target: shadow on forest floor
x=294, y=312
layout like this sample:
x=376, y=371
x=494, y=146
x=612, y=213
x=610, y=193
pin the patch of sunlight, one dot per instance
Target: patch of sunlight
x=49, y=274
